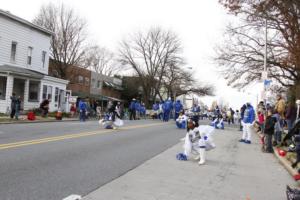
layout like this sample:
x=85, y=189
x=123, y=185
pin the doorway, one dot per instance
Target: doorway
x=18, y=89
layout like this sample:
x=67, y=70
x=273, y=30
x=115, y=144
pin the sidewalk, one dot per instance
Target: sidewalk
x=233, y=171
x=23, y=119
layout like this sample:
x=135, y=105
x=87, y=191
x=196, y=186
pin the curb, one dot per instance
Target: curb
x=284, y=162
x=36, y=122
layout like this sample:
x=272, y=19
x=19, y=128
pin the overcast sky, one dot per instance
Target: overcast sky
x=199, y=24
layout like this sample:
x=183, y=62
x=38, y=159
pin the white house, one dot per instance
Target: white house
x=24, y=58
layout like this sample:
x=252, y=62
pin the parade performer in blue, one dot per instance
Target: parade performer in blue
x=161, y=110
x=248, y=121
x=132, y=109
x=196, y=114
x=167, y=107
x=82, y=110
x=143, y=111
x=155, y=110
x=178, y=108
x=137, y=109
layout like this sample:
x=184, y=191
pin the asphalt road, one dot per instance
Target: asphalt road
x=50, y=161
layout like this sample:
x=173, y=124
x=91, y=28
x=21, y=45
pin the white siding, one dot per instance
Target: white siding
x=62, y=86
x=25, y=37
x=5, y=104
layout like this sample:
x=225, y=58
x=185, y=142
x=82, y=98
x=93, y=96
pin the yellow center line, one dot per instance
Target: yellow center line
x=69, y=136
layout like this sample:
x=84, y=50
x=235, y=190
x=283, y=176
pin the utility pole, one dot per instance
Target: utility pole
x=265, y=72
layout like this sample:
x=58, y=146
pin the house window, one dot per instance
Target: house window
x=98, y=84
x=44, y=53
x=3, y=80
x=13, y=52
x=44, y=91
x=80, y=79
x=34, y=88
x=47, y=92
x=56, y=94
x=87, y=81
x=93, y=83
x=29, y=56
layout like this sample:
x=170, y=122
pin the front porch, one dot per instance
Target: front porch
x=32, y=87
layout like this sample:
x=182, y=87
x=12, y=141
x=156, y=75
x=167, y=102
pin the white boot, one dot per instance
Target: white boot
x=197, y=157
x=202, y=156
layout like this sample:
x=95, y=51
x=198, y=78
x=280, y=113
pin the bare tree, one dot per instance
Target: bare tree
x=242, y=54
x=149, y=54
x=68, y=44
x=177, y=80
x=102, y=61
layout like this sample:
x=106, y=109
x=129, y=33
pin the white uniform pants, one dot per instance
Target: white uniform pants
x=247, y=131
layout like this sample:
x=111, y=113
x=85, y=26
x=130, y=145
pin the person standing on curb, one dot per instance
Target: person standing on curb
x=280, y=109
x=13, y=99
x=18, y=107
x=269, y=131
x=278, y=129
x=290, y=115
x=248, y=121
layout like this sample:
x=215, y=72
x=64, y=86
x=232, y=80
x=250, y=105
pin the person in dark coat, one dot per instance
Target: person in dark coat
x=290, y=116
x=269, y=131
x=44, y=106
x=13, y=99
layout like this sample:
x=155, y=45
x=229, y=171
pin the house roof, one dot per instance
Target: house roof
x=20, y=71
x=112, y=85
x=24, y=22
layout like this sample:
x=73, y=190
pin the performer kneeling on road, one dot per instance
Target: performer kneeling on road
x=181, y=120
x=198, y=140
x=112, y=119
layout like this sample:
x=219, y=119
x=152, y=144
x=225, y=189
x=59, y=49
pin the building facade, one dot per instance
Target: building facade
x=24, y=59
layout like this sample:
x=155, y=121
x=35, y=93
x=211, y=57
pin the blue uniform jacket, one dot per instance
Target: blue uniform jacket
x=249, y=115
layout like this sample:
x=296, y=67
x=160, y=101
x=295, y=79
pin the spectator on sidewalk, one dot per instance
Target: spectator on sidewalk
x=248, y=121
x=280, y=109
x=280, y=106
x=261, y=121
x=269, y=131
x=278, y=129
x=73, y=110
x=44, y=106
x=18, y=107
x=290, y=116
x=13, y=103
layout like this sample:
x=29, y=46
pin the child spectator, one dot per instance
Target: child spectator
x=261, y=121
x=73, y=110
x=269, y=131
